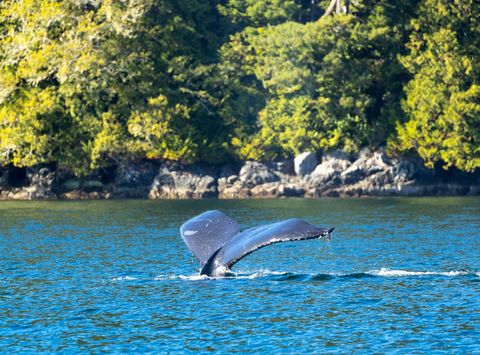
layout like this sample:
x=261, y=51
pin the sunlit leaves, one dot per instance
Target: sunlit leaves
x=443, y=98
x=316, y=83
x=100, y=62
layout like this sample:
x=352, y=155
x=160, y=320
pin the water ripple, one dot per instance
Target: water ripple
x=401, y=276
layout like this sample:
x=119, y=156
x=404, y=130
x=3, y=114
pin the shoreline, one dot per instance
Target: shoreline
x=367, y=174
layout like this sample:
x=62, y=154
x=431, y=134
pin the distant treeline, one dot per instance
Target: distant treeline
x=86, y=83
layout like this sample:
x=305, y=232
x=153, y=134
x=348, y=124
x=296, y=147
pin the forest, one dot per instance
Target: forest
x=85, y=84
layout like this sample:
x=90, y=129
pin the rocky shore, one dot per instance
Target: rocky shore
x=370, y=173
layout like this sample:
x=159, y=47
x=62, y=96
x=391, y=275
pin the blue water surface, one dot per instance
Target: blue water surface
x=399, y=276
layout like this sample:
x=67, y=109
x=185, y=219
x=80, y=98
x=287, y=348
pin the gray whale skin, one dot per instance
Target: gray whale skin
x=219, y=242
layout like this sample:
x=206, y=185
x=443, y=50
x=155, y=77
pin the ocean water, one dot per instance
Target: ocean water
x=399, y=276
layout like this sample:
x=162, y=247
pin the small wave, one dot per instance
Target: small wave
x=398, y=273
x=124, y=278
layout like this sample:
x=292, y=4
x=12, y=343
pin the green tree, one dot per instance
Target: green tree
x=443, y=101
x=255, y=13
x=102, y=67
x=333, y=83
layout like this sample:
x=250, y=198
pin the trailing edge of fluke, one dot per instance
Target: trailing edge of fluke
x=219, y=242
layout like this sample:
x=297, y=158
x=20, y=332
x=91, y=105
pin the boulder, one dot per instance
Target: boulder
x=182, y=183
x=374, y=174
x=255, y=173
x=41, y=183
x=327, y=174
x=367, y=164
x=305, y=163
x=332, y=166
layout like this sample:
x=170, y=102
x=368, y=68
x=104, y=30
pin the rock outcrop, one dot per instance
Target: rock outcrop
x=370, y=173
x=35, y=183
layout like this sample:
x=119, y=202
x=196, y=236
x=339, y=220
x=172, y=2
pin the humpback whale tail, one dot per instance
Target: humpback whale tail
x=219, y=242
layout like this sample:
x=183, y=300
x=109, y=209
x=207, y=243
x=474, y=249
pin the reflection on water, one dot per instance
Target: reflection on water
x=115, y=276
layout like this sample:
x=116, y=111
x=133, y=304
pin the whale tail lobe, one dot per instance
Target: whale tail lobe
x=218, y=241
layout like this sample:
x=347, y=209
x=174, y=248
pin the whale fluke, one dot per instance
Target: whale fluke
x=218, y=242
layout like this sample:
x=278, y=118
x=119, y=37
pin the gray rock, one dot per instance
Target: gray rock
x=332, y=166
x=134, y=179
x=326, y=175
x=374, y=174
x=237, y=190
x=254, y=173
x=194, y=182
x=41, y=183
x=283, y=167
x=267, y=190
x=305, y=163
x=131, y=174
x=34, y=183
x=367, y=164
x=84, y=195
x=292, y=190
x=232, y=179
x=255, y=180
x=371, y=173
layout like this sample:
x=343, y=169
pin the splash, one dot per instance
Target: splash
x=399, y=273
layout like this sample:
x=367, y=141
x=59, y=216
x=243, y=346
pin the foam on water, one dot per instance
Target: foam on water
x=124, y=278
x=230, y=275
x=286, y=276
x=258, y=274
x=399, y=273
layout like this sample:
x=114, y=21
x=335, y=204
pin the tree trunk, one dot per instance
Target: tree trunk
x=330, y=8
x=338, y=8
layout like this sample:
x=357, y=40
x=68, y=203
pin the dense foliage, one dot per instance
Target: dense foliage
x=84, y=84
x=443, y=98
